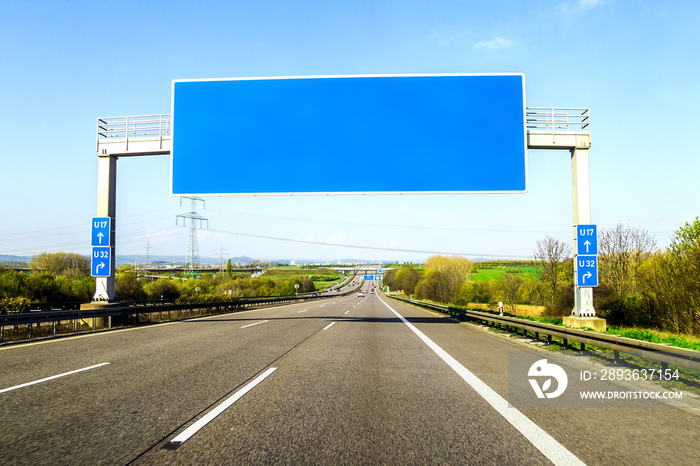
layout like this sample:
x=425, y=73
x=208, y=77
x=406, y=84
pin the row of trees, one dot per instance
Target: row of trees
x=645, y=287
x=207, y=287
x=640, y=285
x=56, y=277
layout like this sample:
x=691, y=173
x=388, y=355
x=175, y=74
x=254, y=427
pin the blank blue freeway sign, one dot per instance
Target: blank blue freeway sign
x=310, y=135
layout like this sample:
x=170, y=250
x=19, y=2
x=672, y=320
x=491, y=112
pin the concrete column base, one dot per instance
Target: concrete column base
x=596, y=323
x=101, y=322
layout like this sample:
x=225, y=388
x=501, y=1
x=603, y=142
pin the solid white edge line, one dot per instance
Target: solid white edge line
x=256, y=323
x=555, y=451
x=53, y=377
x=194, y=428
x=328, y=326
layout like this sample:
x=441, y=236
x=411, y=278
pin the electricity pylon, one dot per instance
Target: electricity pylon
x=192, y=258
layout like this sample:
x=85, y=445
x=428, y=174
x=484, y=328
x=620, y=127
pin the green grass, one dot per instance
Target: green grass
x=496, y=272
x=322, y=279
x=652, y=336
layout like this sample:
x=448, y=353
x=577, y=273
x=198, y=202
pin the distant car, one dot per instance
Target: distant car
x=371, y=291
x=360, y=294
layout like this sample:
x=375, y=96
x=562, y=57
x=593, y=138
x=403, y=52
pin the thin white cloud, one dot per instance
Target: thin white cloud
x=494, y=44
x=580, y=6
x=444, y=39
x=337, y=238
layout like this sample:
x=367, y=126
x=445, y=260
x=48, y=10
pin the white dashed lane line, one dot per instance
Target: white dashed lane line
x=256, y=323
x=53, y=377
x=194, y=428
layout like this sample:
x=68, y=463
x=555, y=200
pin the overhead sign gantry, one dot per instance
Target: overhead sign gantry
x=458, y=132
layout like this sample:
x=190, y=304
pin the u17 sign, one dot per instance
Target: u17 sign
x=310, y=135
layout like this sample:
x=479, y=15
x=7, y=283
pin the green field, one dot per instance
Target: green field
x=495, y=272
x=322, y=278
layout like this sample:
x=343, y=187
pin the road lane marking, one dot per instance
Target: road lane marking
x=328, y=326
x=555, y=451
x=53, y=377
x=256, y=323
x=194, y=428
x=299, y=312
x=323, y=305
x=346, y=312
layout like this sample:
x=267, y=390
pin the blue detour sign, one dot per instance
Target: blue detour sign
x=587, y=239
x=244, y=136
x=587, y=270
x=100, y=261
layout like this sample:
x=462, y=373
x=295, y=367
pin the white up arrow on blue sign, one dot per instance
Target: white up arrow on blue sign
x=100, y=231
x=100, y=264
x=587, y=239
x=586, y=270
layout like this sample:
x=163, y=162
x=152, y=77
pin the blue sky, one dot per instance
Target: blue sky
x=63, y=64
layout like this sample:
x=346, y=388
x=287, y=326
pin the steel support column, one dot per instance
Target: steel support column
x=105, y=290
x=583, y=296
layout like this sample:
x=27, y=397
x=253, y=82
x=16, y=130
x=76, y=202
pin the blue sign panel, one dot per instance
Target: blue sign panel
x=100, y=231
x=587, y=239
x=587, y=270
x=100, y=261
x=372, y=278
x=300, y=135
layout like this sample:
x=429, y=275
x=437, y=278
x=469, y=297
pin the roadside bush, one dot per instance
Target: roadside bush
x=564, y=303
x=14, y=305
x=628, y=311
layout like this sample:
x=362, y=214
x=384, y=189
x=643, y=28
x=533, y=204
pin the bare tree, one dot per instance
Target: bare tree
x=61, y=263
x=551, y=253
x=622, y=250
x=509, y=287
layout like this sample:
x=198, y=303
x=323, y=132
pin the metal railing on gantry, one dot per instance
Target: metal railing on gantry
x=149, y=134
x=557, y=120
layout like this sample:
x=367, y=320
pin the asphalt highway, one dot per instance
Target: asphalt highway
x=344, y=380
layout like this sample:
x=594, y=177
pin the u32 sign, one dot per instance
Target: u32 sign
x=100, y=261
x=586, y=270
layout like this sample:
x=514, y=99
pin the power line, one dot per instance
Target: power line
x=387, y=225
x=374, y=248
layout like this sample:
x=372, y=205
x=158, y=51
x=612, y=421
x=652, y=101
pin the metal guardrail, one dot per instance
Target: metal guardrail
x=551, y=119
x=75, y=305
x=656, y=351
x=129, y=313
